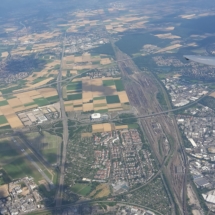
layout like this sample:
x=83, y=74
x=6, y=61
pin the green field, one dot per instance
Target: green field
x=112, y=99
x=41, y=101
x=74, y=86
x=99, y=98
x=119, y=85
x=7, y=153
x=5, y=127
x=10, y=89
x=133, y=126
x=14, y=164
x=81, y=189
x=29, y=104
x=102, y=111
x=48, y=144
x=3, y=120
x=53, y=99
x=3, y=103
x=4, y=179
x=20, y=167
x=74, y=96
x=108, y=82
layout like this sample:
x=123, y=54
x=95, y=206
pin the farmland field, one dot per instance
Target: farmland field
x=41, y=101
x=112, y=99
x=52, y=99
x=95, y=94
x=74, y=96
x=7, y=153
x=99, y=98
x=3, y=103
x=108, y=82
x=75, y=86
x=3, y=120
x=119, y=85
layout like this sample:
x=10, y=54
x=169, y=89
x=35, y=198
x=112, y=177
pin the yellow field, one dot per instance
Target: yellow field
x=4, y=54
x=69, y=108
x=85, y=135
x=212, y=94
x=14, y=102
x=123, y=97
x=105, y=127
x=14, y=121
x=4, y=191
x=102, y=190
x=102, y=101
x=88, y=107
x=115, y=105
x=119, y=127
x=78, y=108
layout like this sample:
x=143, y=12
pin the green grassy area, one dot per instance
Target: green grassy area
x=5, y=127
x=74, y=96
x=74, y=85
x=99, y=105
x=82, y=189
x=108, y=82
x=3, y=120
x=4, y=179
x=52, y=99
x=99, y=98
x=133, y=126
x=112, y=99
x=20, y=167
x=119, y=85
x=15, y=164
x=29, y=104
x=3, y=103
x=7, y=153
x=102, y=111
x=10, y=89
x=41, y=101
x=39, y=79
x=46, y=143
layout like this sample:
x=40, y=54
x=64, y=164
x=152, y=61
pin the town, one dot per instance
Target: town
x=182, y=92
x=21, y=196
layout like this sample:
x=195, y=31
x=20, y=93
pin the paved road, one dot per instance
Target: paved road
x=65, y=134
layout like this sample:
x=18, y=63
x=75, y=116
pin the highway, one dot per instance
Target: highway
x=65, y=133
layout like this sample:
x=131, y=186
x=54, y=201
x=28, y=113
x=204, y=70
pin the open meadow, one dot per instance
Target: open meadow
x=14, y=164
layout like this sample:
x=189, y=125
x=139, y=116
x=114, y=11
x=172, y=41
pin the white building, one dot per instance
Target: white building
x=96, y=116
